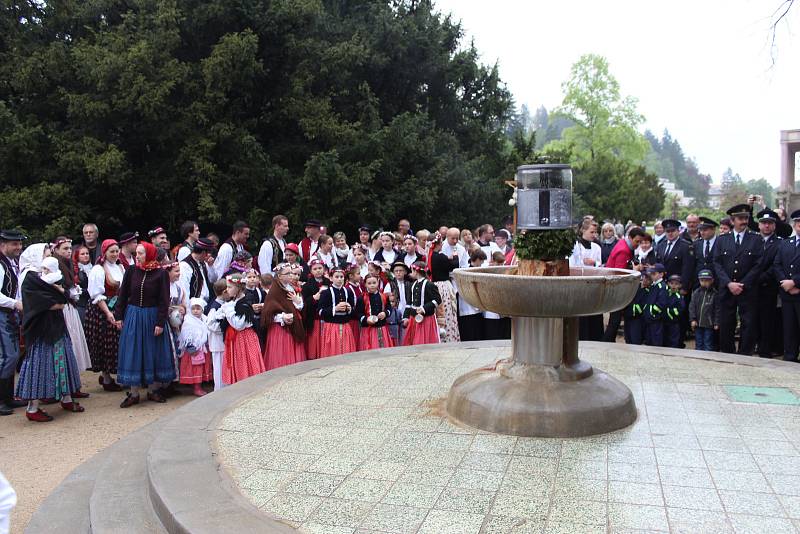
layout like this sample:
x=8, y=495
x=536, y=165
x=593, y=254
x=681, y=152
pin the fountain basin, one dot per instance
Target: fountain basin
x=586, y=291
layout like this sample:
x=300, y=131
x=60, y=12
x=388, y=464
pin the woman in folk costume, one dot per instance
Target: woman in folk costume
x=178, y=308
x=49, y=369
x=325, y=252
x=243, y=357
x=373, y=311
x=193, y=343
x=242, y=262
x=439, y=268
x=102, y=334
x=62, y=251
x=421, y=311
x=312, y=322
x=355, y=286
x=283, y=321
x=336, y=306
x=145, y=348
x=81, y=266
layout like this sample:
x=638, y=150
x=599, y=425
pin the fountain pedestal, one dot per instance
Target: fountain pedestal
x=544, y=389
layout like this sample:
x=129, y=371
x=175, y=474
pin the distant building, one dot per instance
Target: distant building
x=714, y=197
x=671, y=189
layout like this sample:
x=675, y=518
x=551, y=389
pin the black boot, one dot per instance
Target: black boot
x=9, y=394
x=4, y=395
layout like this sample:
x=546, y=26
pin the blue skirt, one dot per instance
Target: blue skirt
x=49, y=371
x=143, y=357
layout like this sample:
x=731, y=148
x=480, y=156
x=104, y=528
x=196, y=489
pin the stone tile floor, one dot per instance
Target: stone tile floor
x=363, y=448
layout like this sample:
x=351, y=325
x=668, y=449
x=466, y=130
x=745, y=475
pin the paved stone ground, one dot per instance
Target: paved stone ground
x=35, y=457
x=364, y=448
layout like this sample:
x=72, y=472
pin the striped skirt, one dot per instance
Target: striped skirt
x=49, y=371
x=102, y=338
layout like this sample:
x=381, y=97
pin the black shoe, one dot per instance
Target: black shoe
x=5, y=410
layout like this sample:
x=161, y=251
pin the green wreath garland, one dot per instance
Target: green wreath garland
x=544, y=245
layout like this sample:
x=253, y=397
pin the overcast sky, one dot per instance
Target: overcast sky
x=702, y=69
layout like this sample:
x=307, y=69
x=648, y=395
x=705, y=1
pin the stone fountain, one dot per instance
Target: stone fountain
x=544, y=389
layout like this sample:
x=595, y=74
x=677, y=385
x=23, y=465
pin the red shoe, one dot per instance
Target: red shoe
x=72, y=407
x=80, y=395
x=47, y=401
x=38, y=416
x=129, y=401
x=199, y=391
x=113, y=386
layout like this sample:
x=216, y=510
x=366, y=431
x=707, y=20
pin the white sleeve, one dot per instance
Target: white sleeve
x=6, y=302
x=185, y=281
x=97, y=284
x=183, y=253
x=224, y=259
x=463, y=257
x=212, y=320
x=236, y=321
x=576, y=258
x=265, y=257
x=387, y=289
x=8, y=500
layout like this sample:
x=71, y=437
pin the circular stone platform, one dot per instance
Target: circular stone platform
x=363, y=446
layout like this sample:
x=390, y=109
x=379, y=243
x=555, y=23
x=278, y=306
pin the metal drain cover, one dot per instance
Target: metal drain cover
x=762, y=395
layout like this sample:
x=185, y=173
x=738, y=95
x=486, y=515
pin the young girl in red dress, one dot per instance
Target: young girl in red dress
x=421, y=311
x=373, y=312
x=283, y=321
x=242, y=350
x=193, y=341
x=312, y=291
x=336, y=306
x=357, y=291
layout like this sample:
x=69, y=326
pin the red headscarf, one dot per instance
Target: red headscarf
x=104, y=246
x=150, y=253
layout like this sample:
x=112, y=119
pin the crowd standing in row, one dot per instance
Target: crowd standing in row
x=145, y=315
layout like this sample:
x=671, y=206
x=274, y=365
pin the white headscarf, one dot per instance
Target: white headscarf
x=31, y=260
x=194, y=330
x=53, y=270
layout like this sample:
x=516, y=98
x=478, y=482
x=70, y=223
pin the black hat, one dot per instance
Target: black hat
x=505, y=233
x=740, y=210
x=400, y=264
x=674, y=278
x=705, y=274
x=705, y=222
x=313, y=223
x=158, y=230
x=364, y=228
x=795, y=216
x=12, y=235
x=767, y=215
x=203, y=245
x=670, y=224
x=127, y=237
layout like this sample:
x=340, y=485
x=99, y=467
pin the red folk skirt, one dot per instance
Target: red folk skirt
x=355, y=327
x=337, y=338
x=375, y=337
x=282, y=348
x=195, y=374
x=422, y=333
x=314, y=341
x=242, y=358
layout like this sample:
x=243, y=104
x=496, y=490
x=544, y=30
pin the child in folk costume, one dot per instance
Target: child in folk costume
x=387, y=255
x=283, y=321
x=373, y=311
x=217, y=324
x=394, y=319
x=400, y=288
x=242, y=357
x=193, y=342
x=376, y=269
x=325, y=252
x=256, y=295
x=421, y=311
x=342, y=253
x=336, y=307
x=360, y=258
x=355, y=287
x=312, y=292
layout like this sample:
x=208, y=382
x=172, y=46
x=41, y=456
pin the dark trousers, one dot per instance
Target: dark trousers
x=492, y=328
x=591, y=328
x=791, y=329
x=470, y=327
x=769, y=318
x=634, y=330
x=673, y=334
x=705, y=339
x=654, y=333
x=745, y=306
x=614, y=319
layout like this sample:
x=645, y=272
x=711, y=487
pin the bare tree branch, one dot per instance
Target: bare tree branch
x=777, y=16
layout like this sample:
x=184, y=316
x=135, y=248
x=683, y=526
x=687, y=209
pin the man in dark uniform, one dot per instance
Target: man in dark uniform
x=737, y=268
x=677, y=257
x=769, y=339
x=704, y=247
x=786, y=270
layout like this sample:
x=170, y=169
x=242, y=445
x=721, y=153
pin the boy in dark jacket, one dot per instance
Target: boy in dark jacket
x=655, y=307
x=634, y=314
x=676, y=309
x=704, y=312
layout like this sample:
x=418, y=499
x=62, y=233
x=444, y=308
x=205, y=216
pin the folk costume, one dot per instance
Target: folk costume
x=286, y=338
x=337, y=336
x=49, y=369
x=422, y=328
x=357, y=293
x=9, y=324
x=243, y=356
x=71, y=316
x=225, y=256
x=439, y=269
x=401, y=289
x=270, y=255
x=102, y=336
x=374, y=330
x=217, y=324
x=196, y=279
x=312, y=321
x=308, y=247
x=143, y=302
x=193, y=342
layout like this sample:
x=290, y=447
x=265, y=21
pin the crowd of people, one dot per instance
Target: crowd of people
x=146, y=315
